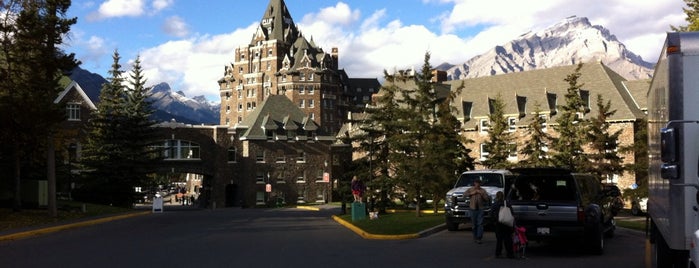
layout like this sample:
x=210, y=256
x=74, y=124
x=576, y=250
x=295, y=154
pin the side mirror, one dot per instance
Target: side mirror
x=668, y=145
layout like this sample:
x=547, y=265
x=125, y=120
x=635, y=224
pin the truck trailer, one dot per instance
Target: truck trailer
x=673, y=139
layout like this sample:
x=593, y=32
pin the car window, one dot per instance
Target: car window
x=487, y=179
x=554, y=188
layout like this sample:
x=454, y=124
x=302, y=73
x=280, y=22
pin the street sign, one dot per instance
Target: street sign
x=268, y=188
x=326, y=177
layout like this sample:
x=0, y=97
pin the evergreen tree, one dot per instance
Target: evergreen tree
x=500, y=142
x=568, y=145
x=138, y=126
x=31, y=64
x=692, y=12
x=603, y=156
x=107, y=179
x=639, y=166
x=533, y=150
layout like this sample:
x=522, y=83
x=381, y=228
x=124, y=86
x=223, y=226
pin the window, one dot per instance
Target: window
x=319, y=175
x=301, y=178
x=301, y=196
x=259, y=177
x=484, y=125
x=301, y=90
x=543, y=122
x=484, y=151
x=512, y=123
x=176, y=150
x=312, y=116
x=302, y=77
x=260, y=156
x=73, y=111
x=232, y=155
x=310, y=89
x=311, y=103
x=270, y=53
x=512, y=151
x=301, y=158
x=240, y=107
x=280, y=159
x=280, y=177
x=302, y=103
x=310, y=77
x=228, y=109
x=260, y=198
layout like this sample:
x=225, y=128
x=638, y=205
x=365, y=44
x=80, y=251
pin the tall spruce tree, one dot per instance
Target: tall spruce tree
x=603, y=154
x=571, y=127
x=533, y=149
x=138, y=126
x=107, y=179
x=501, y=142
x=31, y=64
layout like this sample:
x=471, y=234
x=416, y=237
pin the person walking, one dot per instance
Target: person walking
x=503, y=232
x=478, y=200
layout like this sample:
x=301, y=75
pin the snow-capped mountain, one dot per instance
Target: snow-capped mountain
x=168, y=105
x=197, y=109
x=568, y=42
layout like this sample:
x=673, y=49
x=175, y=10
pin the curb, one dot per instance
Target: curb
x=367, y=235
x=53, y=229
x=308, y=208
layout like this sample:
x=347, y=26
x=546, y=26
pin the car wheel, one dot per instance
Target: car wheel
x=595, y=242
x=635, y=209
x=452, y=226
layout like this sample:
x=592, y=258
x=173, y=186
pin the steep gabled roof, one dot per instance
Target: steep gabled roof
x=74, y=86
x=540, y=87
x=276, y=112
x=277, y=22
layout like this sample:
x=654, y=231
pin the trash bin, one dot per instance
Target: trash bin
x=358, y=211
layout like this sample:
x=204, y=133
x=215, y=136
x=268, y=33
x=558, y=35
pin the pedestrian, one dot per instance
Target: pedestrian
x=358, y=189
x=503, y=232
x=478, y=200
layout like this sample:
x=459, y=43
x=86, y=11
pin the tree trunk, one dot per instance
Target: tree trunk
x=51, y=177
x=17, y=201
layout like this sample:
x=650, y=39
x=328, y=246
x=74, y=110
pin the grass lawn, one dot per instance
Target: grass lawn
x=37, y=217
x=635, y=225
x=397, y=223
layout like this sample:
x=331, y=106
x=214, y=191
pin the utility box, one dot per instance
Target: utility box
x=358, y=211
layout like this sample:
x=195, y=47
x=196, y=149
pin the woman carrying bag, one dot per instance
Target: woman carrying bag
x=503, y=225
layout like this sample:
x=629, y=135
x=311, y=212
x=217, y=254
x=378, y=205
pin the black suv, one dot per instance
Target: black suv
x=556, y=203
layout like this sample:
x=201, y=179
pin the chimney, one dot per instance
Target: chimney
x=335, y=55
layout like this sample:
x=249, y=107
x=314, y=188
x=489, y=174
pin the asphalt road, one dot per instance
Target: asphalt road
x=285, y=237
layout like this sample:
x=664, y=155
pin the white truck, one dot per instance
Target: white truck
x=456, y=205
x=673, y=136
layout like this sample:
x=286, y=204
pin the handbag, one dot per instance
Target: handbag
x=505, y=215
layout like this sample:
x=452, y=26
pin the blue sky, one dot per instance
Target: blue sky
x=187, y=43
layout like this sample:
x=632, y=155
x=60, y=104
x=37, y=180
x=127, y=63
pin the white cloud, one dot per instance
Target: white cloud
x=175, y=26
x=161, y=4
x=119, y=8
x=195, y=64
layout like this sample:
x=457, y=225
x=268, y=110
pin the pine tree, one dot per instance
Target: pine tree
x=603, y=156
x=500, y=142
x=692, y=12
x=568, y=145
x=533, y=150
x=106, y=179
x=31, y=63
x=138, y=126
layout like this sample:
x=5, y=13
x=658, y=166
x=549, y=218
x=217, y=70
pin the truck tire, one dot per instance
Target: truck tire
x=451, y=225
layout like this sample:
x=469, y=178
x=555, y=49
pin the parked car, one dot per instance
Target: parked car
x=456, y=205
x=555, y=203
x=639, y=206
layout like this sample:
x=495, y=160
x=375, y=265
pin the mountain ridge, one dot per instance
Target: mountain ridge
x=570, y=41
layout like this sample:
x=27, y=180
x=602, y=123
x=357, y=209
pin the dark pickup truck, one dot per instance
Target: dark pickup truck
x=556, y=203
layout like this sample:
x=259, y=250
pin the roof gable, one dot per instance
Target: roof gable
x=75, y=86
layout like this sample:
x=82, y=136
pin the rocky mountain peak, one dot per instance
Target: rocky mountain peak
x=570, y=41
